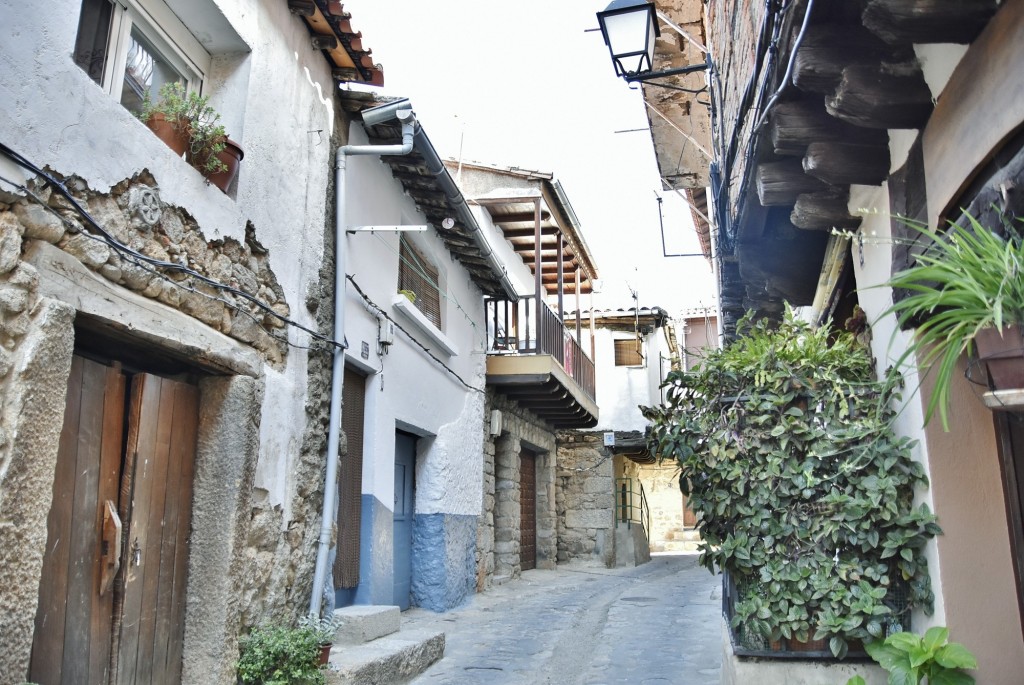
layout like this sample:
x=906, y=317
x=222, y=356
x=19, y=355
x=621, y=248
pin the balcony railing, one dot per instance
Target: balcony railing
x=514, y=328
x=631, y=503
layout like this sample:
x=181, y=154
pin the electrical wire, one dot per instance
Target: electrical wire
x=379, y=310
x=139, y=258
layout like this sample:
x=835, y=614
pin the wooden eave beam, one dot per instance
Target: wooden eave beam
x=883, y=96
x=779, y=183
x=840, y=164
x=829, y=48
x=793, y=126
x=823, y=211
x=928, y=21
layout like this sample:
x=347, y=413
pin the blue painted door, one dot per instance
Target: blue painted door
x=405, y=467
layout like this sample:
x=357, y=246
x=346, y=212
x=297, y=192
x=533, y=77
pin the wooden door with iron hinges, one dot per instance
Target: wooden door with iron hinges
x=112, y=593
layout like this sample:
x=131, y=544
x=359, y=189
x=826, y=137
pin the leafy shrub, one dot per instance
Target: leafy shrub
x=277, y=655
x=909, y=659
x=803, y=492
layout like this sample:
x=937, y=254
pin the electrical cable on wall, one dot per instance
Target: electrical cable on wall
x=380, y=311
x=154, y=265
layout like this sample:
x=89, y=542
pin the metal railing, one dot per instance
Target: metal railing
x=631, y=503
x=512, y=328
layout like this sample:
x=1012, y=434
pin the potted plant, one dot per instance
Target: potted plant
x=323, y=630
x=191, y=127
x=168, y=117
x=280, y=655
x=966, y=291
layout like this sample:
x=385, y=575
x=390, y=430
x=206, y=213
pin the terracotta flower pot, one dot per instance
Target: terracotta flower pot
x=325, y=653
x=174, y=138
x=230, y=156
x=1003, y=355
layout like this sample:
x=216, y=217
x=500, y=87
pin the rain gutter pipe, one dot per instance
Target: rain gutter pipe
x=402, y=111
x=462, y=211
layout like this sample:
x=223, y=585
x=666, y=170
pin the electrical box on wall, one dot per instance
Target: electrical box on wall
x=387, y=332
x=609, y=439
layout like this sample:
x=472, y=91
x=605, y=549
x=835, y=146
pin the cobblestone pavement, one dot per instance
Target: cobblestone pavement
x=581, y=625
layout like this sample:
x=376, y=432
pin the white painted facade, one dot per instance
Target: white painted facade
x=272, y=90
x=622, y=389
x=407, y=389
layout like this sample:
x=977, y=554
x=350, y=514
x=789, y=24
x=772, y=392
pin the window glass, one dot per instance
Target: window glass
x=144, y=69
x=133, y=46
x=93, y=38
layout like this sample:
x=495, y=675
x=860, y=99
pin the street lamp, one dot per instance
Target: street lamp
x=629, y=28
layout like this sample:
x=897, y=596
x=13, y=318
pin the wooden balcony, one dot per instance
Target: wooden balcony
x=534, y=360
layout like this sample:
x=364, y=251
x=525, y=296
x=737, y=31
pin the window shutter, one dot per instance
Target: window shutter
x=418, y=274
x=627, y=353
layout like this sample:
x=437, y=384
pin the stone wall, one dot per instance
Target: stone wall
x=37, y=335
x=661, y=485
x=498, y=529
x=134, y=216
x=585, y=498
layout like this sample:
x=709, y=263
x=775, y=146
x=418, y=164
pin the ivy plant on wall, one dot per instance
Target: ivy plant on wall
x=804, y=494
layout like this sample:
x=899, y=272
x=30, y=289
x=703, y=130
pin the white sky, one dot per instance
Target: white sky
x=522, y=84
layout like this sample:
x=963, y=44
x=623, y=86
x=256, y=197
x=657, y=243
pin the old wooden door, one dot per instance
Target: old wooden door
x=528, y=510
x=112, y=593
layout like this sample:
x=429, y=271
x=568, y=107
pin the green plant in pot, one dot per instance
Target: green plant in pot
x=966, y=294
x=280, y=655
x=323, y=631
x=188, y=115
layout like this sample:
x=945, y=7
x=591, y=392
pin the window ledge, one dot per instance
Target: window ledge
x=414, y=316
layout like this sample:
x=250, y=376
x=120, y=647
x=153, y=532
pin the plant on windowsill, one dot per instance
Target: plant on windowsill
x=187, y=123
x=409, y=295
x=803, y=492
x=279, y=655
x=966, y=294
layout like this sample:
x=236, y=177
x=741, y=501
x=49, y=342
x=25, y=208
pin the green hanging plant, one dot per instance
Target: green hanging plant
x=803, y=492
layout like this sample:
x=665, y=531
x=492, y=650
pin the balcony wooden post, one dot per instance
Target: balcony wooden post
x=579, y=325
x=537, y=268
x=560, y=243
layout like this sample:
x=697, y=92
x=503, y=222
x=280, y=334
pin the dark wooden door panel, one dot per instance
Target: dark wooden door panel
x=163, y=421
x=72, y=639
x=528, y=511
x=350, y=483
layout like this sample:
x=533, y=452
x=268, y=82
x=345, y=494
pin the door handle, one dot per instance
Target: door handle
x=110, y=547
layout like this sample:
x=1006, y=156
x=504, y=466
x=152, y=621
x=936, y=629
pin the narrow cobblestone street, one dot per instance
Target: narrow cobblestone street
x=583, y=625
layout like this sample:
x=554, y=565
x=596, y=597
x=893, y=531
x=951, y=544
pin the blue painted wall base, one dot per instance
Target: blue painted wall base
x=376, y=554
x=443, y=560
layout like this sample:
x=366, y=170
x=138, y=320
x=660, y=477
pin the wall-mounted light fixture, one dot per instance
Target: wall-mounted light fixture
x=629, y=28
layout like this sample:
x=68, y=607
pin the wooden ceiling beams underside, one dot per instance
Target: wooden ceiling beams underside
x=855, y=76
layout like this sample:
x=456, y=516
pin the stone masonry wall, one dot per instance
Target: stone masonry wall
x=30, y=328
x=133, y=214
x=498, y=530
x=585, y=498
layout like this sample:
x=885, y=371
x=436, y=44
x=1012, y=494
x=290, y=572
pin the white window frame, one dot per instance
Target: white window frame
x=175, y=43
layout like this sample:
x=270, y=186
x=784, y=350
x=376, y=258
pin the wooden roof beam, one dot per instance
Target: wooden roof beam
x=882, y=96
x=928, y=21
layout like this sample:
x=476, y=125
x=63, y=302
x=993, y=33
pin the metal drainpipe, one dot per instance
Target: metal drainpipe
x=403, y=113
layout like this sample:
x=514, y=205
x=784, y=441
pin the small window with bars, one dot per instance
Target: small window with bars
x=418, y=274
x=628, y=353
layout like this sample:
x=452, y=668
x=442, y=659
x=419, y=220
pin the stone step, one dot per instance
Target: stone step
x=384, y=661
x=363, y=623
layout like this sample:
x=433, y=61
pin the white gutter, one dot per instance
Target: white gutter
x=401, y=110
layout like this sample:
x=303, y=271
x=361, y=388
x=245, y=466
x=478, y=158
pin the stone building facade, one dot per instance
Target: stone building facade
x=499, y=530
x=122, y=270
